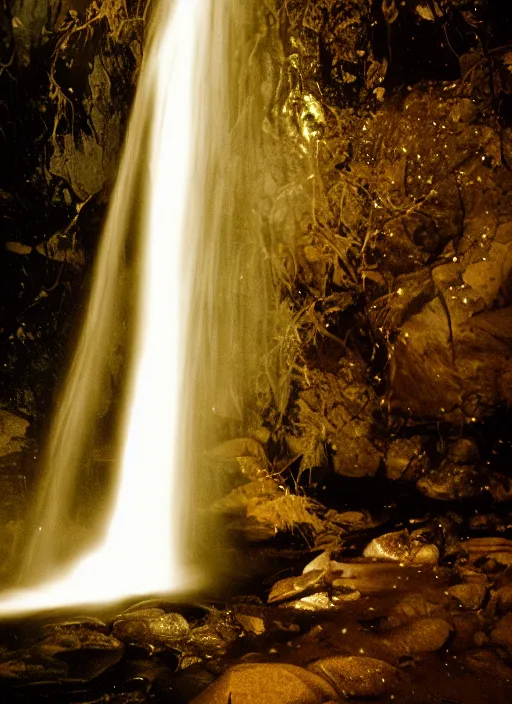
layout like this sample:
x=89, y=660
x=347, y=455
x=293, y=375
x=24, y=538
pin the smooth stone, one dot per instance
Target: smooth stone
x=469, y=596
x=356, y=676
x=212, y=638
x=254, y=683
x=466, y=625
x=485, y=663
x=151, y=627
x=391, y=546
x=426, y=635
x=502, y=633
x=503, y=599
x=426, y=555
x=295, y=586
x=410, y=608
x=406, y=459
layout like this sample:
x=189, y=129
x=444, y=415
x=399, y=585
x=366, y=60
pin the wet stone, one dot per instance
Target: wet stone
x=403, y=548
x=463, y=451
x=503, y=599
x=251, y=624
x=392, y=546
x=406, y=459
x=502, y=633
x=73, y=651
x=411, y=607
x=351, y=521
x=426, y=555
x=181, y=688
x=451, y=482
x=356, y=676
x=426, y=635
x=319, y=601
x=466, y=626
x=492, y=554
x=152, y=627
x=271, y=683
x=212, y=638
x=292, y=587
x=469, y=596
x=485, y=663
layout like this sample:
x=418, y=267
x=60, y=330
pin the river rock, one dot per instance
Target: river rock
x=356, y=676
x=503, y=599
x=463, y=451
x=425, y=635
x=295, y=586
x=451, y=482
x=251, y=624
x=502, y=633
x=213, y=637
x=254, y=683
x=491, y=554
x=401, y=547
x=153, y=627
x=73, y=651
x=467, y=627
x=485, y=663
x=469, y=596
x=426, y=555
x=410, y=608
x=407, y=459
x=391, y=546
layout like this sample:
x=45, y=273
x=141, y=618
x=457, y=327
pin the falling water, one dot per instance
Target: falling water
x=142, y=549
x=204, y=185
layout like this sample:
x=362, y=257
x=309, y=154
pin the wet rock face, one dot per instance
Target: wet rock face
x=402, y=276
x=337, y=411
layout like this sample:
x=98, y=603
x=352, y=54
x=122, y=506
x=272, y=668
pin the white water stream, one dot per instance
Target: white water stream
x=208, y=183
x=143, y=548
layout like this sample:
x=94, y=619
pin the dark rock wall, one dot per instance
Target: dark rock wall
x=66, y=83
x=401, y=281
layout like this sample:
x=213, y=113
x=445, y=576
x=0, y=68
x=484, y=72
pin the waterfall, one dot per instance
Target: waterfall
x=207, y=185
